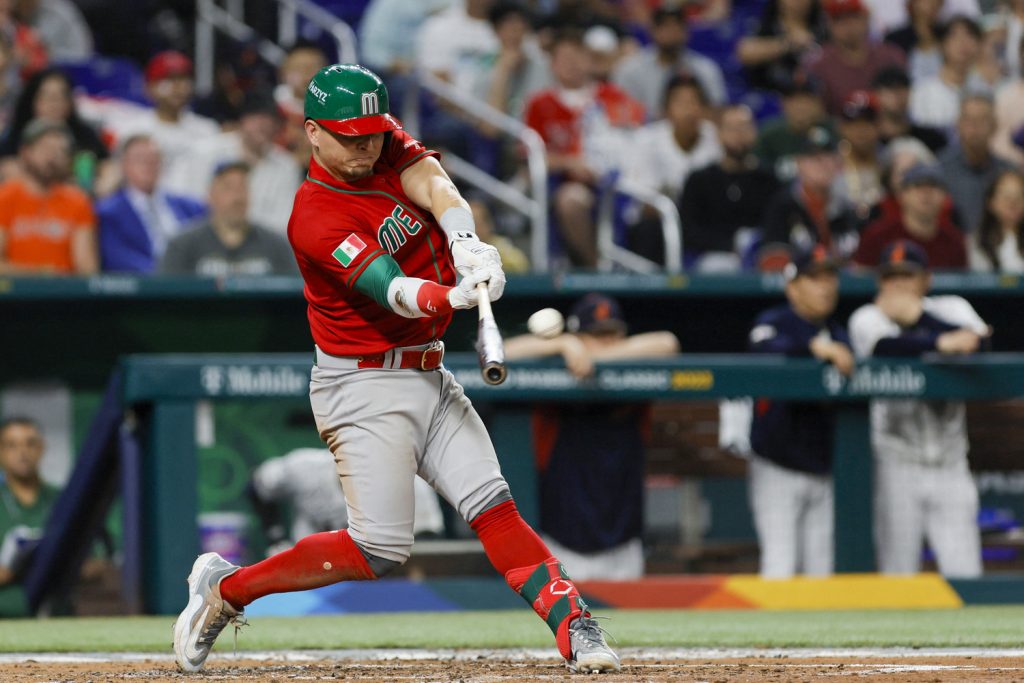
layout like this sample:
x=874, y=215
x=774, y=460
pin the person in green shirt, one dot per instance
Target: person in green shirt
x=25, y=504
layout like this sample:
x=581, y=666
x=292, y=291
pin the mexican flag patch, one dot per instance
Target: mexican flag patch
x=348, y=250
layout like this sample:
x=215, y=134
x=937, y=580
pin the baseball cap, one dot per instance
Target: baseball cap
x=168, y=64
x=859, y=105
x=843, y=8
x=818, y=139
x=596, y=313
x=903, y=256
x=37, y=128
x=923, y=174
x=804, y=262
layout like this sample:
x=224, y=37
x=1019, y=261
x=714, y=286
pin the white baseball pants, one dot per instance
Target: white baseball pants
x=793, y=515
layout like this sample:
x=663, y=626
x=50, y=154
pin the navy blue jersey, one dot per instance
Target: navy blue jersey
x=794, y=434
x=590, y=462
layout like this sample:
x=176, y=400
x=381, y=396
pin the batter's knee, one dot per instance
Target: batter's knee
x=383, y=552
x=501, y=496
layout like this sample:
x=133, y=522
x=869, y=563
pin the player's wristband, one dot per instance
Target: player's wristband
x=458, y=224
x=411, y=297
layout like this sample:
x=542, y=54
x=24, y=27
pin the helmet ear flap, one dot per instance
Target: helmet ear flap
x=349, y=99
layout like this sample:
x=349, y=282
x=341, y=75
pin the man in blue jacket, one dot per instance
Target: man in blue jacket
x=790, y=470
x=138, y=221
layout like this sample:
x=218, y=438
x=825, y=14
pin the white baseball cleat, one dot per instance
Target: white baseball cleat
x=206, y=614
x=590, y=654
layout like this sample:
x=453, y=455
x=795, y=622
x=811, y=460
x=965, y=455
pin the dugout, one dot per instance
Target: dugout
x=76, y=330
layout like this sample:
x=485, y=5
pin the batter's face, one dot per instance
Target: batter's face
x=346, y=157
x=21, y=449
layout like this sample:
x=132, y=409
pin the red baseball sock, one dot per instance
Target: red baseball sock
x=316, y=560
x=520, y=555
x=508, y=540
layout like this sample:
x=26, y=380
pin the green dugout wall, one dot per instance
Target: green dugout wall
x=163, y=390
x=78, y=329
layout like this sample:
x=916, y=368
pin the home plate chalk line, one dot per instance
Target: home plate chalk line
x=777, y=656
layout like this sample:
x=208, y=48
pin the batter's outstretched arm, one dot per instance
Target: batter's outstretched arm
x=427, y=184
x=411, y=297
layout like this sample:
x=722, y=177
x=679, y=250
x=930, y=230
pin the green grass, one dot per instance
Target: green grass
x=967, y=627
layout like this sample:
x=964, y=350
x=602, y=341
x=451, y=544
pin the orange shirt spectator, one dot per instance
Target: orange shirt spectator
x=47, y=226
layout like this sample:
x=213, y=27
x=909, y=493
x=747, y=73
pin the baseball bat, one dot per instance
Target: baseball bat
x=489, y=347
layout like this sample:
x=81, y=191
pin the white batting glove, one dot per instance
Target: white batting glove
x=494, y=276
x=470, y=255
x=464, y=295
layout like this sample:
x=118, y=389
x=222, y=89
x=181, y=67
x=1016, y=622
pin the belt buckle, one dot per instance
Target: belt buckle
x=435, y=346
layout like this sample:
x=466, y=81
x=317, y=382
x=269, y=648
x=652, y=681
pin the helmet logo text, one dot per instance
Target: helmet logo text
x=320, y=95
x=371, y=105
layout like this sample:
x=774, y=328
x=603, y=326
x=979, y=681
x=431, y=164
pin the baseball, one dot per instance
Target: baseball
x=547, y=323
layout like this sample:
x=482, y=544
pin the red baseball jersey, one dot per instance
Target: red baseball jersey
x=561, y=125
x=338, y=228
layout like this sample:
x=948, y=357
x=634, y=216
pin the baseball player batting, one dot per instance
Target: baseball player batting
x=379, y=232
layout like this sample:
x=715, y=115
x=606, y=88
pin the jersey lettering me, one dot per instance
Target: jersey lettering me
x=392, y=232
x=338, y=229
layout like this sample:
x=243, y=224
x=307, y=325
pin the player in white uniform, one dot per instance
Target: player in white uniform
x=923, y=486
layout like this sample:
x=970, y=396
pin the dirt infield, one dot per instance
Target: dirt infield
x=485, y=667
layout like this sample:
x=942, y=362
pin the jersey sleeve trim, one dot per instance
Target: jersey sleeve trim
x=375, y=277
x=426, y=152
x=352, y=278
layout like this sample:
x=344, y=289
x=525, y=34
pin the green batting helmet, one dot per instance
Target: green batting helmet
x=349, y=99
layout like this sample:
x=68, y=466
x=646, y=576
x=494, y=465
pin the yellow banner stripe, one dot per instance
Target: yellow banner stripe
x=846, y=591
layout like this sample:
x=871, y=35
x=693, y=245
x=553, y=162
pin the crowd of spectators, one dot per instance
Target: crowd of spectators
x=834, y=129
x=801, y=134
